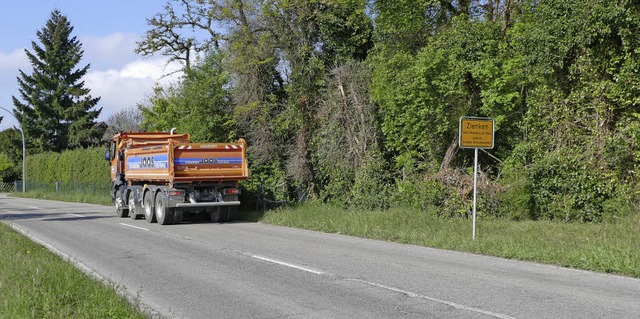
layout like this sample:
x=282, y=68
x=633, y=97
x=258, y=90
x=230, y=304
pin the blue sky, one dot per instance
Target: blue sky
x=108, y=31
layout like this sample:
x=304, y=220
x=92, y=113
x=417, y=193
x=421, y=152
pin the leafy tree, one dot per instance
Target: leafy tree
x=10, y=155
x=9, y=171
x=57, y=111
x=559, y=77
x=11, y=144
x=199, y=105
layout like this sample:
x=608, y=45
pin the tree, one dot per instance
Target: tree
x=166, y=35
x=56, y=111
x=199, y=105
x=129, y=119
x=10, y=154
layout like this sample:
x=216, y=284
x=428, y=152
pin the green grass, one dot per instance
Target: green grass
x=35, y=283
x=611, y=247
x=75, y=196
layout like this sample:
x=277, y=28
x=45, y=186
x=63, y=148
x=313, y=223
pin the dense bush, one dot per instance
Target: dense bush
x=80, y=165
x=336, y=116
x=9, y=171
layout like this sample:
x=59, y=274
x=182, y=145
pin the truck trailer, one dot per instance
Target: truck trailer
x=162, y=177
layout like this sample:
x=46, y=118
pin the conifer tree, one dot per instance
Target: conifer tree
x=56, y=111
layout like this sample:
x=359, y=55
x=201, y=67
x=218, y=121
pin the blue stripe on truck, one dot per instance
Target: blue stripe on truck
x=208, y=160
x=148, y=162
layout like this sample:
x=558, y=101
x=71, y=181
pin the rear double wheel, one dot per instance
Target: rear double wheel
x=149, y=213
x=165, y=215
x=222, y=214
x=133, y=212
x=217, y=215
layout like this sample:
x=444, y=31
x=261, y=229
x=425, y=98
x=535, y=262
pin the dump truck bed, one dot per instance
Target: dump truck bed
x=176, y=161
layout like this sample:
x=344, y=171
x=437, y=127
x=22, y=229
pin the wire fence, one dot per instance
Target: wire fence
x=6, y=187
x=89, y=188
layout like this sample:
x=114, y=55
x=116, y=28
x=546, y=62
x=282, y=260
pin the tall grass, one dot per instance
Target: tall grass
x=35, y=283
x=610, y=247
x=79, y=192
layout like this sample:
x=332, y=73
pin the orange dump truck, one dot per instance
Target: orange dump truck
x=163, y=177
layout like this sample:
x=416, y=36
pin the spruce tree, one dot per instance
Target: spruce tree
x=56, y=111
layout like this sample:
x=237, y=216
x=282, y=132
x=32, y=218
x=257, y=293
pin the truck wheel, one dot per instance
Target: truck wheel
x=215, y=214
x=231, y=213
x=149, y=213
x=132, y=207
x=164, y=216
x=120, y=211
x=177, y=216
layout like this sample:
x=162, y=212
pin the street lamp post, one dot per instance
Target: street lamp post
x=24, y=154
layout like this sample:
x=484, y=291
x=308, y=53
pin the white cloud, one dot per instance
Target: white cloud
x=109, y=51
x=129, y=85
x=119, y=76
x=13, y=61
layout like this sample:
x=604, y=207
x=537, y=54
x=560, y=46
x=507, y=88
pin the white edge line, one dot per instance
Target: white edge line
x=87, y=270
x=136, y=227
x=34, y=207
x=450, y=303
x=317, y=272
x=76, y=215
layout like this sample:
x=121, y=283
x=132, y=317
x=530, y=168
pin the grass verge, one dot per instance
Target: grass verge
x=76, y=197
x=611, y=247
x=35, y=283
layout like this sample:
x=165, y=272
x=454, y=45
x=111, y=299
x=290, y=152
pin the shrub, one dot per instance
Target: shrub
x=567, y=187
x=371, y=185
x=419, y=193
x=9, y=171
x=80, y=165
x=515, y=200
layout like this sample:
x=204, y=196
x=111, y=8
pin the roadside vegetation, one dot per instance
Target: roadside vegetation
x=35, y=283
x=76, y=196
x=350, y=110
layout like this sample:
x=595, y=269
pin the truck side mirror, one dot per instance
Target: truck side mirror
x=107, y=155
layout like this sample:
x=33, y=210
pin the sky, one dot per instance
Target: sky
x=108, y=31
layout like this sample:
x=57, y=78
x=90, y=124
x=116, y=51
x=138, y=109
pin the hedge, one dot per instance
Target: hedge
x=80, y=165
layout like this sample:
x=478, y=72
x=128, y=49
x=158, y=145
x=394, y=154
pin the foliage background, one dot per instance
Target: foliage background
x=356, y=103
x=72, y=166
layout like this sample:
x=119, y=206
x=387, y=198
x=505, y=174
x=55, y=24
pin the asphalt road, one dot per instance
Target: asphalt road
x=249, y=270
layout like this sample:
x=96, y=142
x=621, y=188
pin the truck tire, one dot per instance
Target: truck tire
x=119, y=204
x=149, y=212
x=231, y=213
x=121, y=212
x=132, y=207
x=215, y=215
x=177, y=216
x=164, y=215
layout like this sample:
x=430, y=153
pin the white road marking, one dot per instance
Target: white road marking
x=58, y=252
x=123, y=224
x=282, y=263
x=76, y=215
x=33, y=207
x=449, y=303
